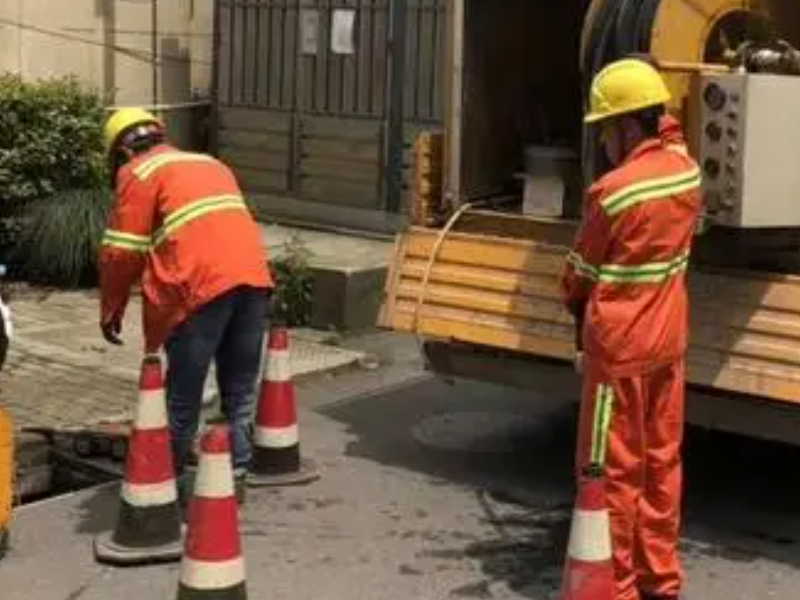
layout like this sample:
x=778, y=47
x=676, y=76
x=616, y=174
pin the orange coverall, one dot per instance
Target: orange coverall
x=174, y=213
x=626, y=278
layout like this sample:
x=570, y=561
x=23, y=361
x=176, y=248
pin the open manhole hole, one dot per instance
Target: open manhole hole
x=481, y=431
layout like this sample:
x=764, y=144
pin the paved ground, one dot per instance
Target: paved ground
x=331, y=250
x=61, y=372
x=433, y=492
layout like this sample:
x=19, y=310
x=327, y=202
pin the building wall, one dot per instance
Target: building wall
x=108, y=45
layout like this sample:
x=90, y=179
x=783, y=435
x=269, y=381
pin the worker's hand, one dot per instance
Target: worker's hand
x=111, y=330
x=579, y=363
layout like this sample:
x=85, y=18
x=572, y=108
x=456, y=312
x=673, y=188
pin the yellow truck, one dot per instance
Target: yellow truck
x=476, y=277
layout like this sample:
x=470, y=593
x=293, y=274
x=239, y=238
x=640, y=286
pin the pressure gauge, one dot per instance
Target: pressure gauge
x=715, y=97
x=714, y=131
x=712, y=168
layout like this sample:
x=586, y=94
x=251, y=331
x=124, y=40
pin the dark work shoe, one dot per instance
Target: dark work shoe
x=240, y=485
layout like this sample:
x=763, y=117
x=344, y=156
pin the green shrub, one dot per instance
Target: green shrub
x=61, y=236
x=291, y=302
x=50, y=139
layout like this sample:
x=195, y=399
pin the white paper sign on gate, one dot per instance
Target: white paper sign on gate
x=309, y=31
x=342, y=30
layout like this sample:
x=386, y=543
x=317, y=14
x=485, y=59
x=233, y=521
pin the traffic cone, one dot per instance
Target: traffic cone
x=213, y=565
x=276, y=441
x=589, y=571
x=148, y=522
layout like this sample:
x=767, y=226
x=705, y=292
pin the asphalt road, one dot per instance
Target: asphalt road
x=431, y=491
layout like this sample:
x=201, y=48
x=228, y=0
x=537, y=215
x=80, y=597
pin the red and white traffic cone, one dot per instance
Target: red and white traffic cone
x=589, y=571
x=276, y=439
x=213, y=566
x=148, y=523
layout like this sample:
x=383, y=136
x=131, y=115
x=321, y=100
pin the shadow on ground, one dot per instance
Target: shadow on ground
x=98, y=511
x=513, y=450
x=741, y=502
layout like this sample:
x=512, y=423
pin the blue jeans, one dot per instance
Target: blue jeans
x=229, y=329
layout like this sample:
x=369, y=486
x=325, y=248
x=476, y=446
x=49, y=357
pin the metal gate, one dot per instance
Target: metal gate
x=303, y=100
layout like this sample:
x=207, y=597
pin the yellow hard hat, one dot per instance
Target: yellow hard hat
x=122, y=120
x=625, y=86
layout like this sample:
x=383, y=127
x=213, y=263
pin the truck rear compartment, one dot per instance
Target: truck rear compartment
x=485, y=294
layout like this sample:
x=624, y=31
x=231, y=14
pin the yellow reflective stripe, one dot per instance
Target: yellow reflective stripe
x=655, y=272
x=581, y=266
x=603, y=408
x=650, y=190
x=151, y=165
x=605, y=424
x=195, y=210
x=127, y=241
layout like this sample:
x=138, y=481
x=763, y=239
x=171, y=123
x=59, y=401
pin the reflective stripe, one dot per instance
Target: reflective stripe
x=194, y=210
x=179, y=218
x=581, y=266
x=603, y=407
x=651, y=189
x=589, y=539
x=126, y=241
x=151, y=165
x=656, y=272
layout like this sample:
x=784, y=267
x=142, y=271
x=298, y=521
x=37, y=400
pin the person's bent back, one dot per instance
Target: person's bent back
x=184, y=217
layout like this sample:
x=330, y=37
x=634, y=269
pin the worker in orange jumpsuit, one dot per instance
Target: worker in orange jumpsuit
x=181, y=227
x=625, y=283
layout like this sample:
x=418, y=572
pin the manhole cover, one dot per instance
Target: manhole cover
x=489, y=432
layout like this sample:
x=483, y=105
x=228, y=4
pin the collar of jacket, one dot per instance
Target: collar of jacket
x=643, y=148
x=152, y=152
x=131, y=164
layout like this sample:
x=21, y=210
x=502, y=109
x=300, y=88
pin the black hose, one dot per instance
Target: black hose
x=598, y=40
x=621, y=27
x=645, y=23
x=625, y=28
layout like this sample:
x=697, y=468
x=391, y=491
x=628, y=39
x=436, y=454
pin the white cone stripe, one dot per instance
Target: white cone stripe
x=214, y=476
x=276, y=437
x=151, y=413
x=279, y=366
x=207, y=575
x=149, y=494
x=590, y=537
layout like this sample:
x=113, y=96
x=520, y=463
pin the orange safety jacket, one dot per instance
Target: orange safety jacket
x=180, y=225
x=627, y=268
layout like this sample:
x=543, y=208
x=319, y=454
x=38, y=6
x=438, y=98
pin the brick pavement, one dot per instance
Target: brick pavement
x=60, y=372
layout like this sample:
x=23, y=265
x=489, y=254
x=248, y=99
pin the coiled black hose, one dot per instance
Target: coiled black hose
x=621, y=27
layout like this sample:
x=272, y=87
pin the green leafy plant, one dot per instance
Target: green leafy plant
x=50, y=138
x=291, y=301
x=60, y=239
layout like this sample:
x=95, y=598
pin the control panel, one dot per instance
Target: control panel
x=749, y=148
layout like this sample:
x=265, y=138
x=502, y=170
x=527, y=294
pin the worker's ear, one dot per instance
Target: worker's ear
x=632, y=133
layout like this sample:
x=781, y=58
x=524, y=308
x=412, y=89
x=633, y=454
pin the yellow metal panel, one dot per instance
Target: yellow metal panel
x=526, y=307
x=513, y=282
x=503, y=293
x=681, y=32
x=476, y=328
x=503, y=253
x=722, y=371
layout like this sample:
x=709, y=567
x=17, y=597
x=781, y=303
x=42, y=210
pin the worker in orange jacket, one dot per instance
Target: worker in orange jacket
x=625, y=283
x=181, y=227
